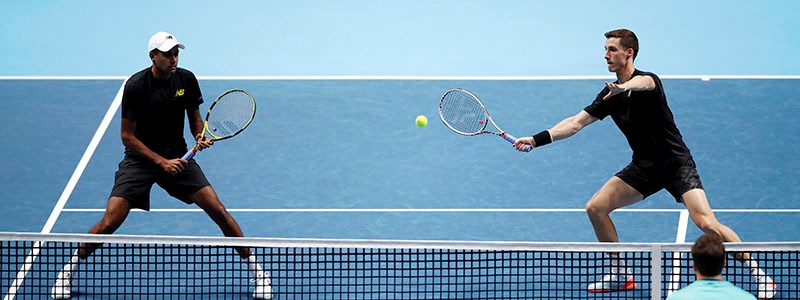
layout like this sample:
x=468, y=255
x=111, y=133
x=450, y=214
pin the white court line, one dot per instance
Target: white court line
x=683, y=224
x=63, y=78
x=498, y=78
x=680, y=238
x=62, y=201
x=411, y=77
x=447, y=210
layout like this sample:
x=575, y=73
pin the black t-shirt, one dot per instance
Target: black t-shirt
x=647, y=122
x=159, y=109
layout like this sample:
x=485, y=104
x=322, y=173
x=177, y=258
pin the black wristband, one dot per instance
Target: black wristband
x=542, y=138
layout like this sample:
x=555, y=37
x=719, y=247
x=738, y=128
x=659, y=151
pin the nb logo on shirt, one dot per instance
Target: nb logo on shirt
x=179, y=93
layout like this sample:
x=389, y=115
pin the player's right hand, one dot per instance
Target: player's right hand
x=173, y=166
x=520, y=143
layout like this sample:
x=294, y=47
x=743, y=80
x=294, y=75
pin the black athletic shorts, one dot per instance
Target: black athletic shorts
x=135, y=177
x=677, y=180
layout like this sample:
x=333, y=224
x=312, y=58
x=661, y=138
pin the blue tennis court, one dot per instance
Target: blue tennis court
x=369, y=204
x=331, y=158
x=341, y=159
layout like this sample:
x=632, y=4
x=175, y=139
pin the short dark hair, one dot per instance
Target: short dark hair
x=627, y=39
x=708, y=254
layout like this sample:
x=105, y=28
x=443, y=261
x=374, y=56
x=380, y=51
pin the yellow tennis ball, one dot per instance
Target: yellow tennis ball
x=422, y=121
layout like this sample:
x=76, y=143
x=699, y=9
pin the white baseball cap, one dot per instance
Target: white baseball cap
x=163, y=41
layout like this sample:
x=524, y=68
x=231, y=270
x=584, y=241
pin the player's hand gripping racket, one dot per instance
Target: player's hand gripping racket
x=464, y=113
x=228, y=116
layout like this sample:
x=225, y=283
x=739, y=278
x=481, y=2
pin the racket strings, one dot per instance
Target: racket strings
x=231, y=114
x=462, y=112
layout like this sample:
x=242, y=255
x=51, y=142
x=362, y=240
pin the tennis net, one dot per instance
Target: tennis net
x=161, y=267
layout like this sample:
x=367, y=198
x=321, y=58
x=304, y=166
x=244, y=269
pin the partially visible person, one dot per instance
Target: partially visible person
x=708, y=259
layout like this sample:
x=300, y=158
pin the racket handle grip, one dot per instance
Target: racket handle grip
x=512, y=139
x=189, y=154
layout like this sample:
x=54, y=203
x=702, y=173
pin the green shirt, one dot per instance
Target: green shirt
x=711, y=289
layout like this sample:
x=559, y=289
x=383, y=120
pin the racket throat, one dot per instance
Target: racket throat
x=509, y=137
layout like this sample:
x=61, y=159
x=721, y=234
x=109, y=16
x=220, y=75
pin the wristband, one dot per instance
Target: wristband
x=542, y=138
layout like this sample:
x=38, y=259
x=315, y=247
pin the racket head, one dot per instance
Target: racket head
x=463, y=112
x=230, y=114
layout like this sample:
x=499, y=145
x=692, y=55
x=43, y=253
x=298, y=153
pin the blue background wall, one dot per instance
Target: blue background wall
x=399, y=37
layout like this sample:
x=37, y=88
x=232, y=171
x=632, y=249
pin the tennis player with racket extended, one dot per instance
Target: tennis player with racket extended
x=154, y=103
x=661, y=160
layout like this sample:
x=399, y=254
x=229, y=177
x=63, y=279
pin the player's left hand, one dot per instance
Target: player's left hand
x=203, y=142
x=614, y=90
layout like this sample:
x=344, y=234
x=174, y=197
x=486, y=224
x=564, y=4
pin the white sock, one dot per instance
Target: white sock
x=754, y=269
x=751, y=263
x=618, y=265
x=74, y=260
x=253, y=266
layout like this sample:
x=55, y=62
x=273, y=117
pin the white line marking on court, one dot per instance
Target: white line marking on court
x=443, y=210
x=411, y=77
x=63, y=78
x=680, y=238
x=683, y=223
x=357, y=210
x=62, y=201
x=498, y=78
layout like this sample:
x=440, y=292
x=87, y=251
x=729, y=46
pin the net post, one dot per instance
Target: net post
x=655, y=272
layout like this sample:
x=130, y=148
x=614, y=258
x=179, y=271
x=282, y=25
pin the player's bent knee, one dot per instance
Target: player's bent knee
x=590, y=208
x=593, y=208
x=219, y=213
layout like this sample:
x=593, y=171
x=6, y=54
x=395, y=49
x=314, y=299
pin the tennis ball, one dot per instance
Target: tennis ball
x=422, y=121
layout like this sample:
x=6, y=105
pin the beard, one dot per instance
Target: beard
x=166, y=70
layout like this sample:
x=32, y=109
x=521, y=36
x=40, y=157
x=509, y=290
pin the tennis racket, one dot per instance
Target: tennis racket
x=228, y=116
x=463, y=112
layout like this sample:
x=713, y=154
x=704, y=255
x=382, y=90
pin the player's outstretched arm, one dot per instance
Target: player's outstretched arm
x=637, y=83
x=570, y=126
x=564, y=129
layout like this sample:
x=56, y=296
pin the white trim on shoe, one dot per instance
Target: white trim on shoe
x=612, y=283
x=263, y=286
x=62, y=288
x=765, y=285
